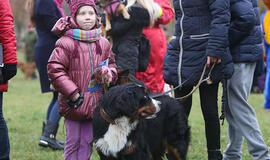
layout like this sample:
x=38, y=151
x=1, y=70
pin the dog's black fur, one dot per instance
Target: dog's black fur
x=168, y=130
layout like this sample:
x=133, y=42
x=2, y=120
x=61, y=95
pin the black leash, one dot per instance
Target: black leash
x=224, y=100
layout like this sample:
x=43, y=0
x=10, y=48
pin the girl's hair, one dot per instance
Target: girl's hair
x=30, y=8
x=148, y=4
x=267, y=3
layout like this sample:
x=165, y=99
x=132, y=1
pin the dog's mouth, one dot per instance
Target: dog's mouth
x=149, y=111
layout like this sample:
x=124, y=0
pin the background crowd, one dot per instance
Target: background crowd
x=225, y=42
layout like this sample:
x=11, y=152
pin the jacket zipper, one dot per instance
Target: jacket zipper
x=92, y=70
x=181, y=43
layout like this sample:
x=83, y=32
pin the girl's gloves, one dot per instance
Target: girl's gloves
x=103, y=75
x=76, y=101
x=157, y=11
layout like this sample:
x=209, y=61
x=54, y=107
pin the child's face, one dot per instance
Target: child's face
x=86, y=17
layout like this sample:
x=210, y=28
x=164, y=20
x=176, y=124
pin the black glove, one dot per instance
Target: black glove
x=77, y=103
x=9, y=71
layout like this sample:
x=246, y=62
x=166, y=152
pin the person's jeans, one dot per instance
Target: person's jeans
x=52, y=111
x=4, y=140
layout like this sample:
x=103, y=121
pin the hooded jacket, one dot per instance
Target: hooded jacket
x=72, y=64
x=201, y=30
x=245, y=33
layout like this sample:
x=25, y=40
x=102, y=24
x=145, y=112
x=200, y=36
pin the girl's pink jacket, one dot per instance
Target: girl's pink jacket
x=71, y=72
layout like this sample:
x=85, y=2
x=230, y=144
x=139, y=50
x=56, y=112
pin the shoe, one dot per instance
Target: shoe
x=48, y=139
x=214, y=154
x=59, y=141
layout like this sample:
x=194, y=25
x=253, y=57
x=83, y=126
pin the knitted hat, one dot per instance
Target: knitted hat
x=74, y=5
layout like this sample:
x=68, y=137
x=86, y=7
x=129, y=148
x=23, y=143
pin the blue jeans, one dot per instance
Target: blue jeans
x=52, y=112
x=4, y=140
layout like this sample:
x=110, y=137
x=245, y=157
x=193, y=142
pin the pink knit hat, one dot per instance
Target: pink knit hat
x=74, y=5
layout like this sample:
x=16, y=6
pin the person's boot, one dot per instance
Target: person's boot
x=214, y=155
x=59, y=141
x=47, y=138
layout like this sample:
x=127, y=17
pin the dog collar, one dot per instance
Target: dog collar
x=105, y=116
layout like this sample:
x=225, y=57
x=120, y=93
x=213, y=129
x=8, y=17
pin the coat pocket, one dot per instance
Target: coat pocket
x=200, y=36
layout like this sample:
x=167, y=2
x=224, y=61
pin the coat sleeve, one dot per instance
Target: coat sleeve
x=7, y=35
x=47, y=12
x=243, y=20
x=167, y=12
x=218, y=40
x=58, y=66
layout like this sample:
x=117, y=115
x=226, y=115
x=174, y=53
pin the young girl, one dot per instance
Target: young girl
x=71, y=68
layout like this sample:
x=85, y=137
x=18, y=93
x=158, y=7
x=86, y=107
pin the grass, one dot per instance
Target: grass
x=25, y=109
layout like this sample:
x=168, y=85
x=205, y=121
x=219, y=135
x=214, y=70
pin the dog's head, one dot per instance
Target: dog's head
x=130, y=100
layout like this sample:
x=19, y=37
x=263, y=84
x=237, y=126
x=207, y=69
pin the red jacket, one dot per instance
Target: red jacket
x=7, y=36
x=71, y=74
x=153, y=76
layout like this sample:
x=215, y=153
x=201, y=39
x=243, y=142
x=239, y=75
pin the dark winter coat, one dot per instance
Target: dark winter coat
x=46, y=15
x=201, y=30
x=126, y=34
x=245, y=31
x=8, y=42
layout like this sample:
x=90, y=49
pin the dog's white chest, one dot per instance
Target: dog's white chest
x=115, y=138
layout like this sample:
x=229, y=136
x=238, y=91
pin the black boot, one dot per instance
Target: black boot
x=59, y=141
x=47, y=138
x=214, y=155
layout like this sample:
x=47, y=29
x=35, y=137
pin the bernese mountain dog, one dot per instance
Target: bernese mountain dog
x=130, y=125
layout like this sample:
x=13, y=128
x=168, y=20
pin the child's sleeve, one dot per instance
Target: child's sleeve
x=58, y=66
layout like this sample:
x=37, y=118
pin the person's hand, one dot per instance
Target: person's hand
x=9, y=71
x=78, y=100
x=75, y=97
x=103, y=75
x=212, y=60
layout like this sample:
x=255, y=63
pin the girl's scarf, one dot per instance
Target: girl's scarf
x=83, y=35
x=88, y=36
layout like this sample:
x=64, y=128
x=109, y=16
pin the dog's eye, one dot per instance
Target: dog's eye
x=145, y=100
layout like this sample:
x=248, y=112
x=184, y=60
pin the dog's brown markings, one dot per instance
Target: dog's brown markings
x=149, y=109
x=129, y=149
x=173, y=150
x=105, y=116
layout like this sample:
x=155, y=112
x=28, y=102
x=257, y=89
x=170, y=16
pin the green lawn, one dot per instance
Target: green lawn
x=25, y=109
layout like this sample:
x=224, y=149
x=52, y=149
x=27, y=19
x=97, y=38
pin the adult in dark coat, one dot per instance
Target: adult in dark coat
x=126, y=35
x=200, y=38
x=246, y=49
x=44, y=14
